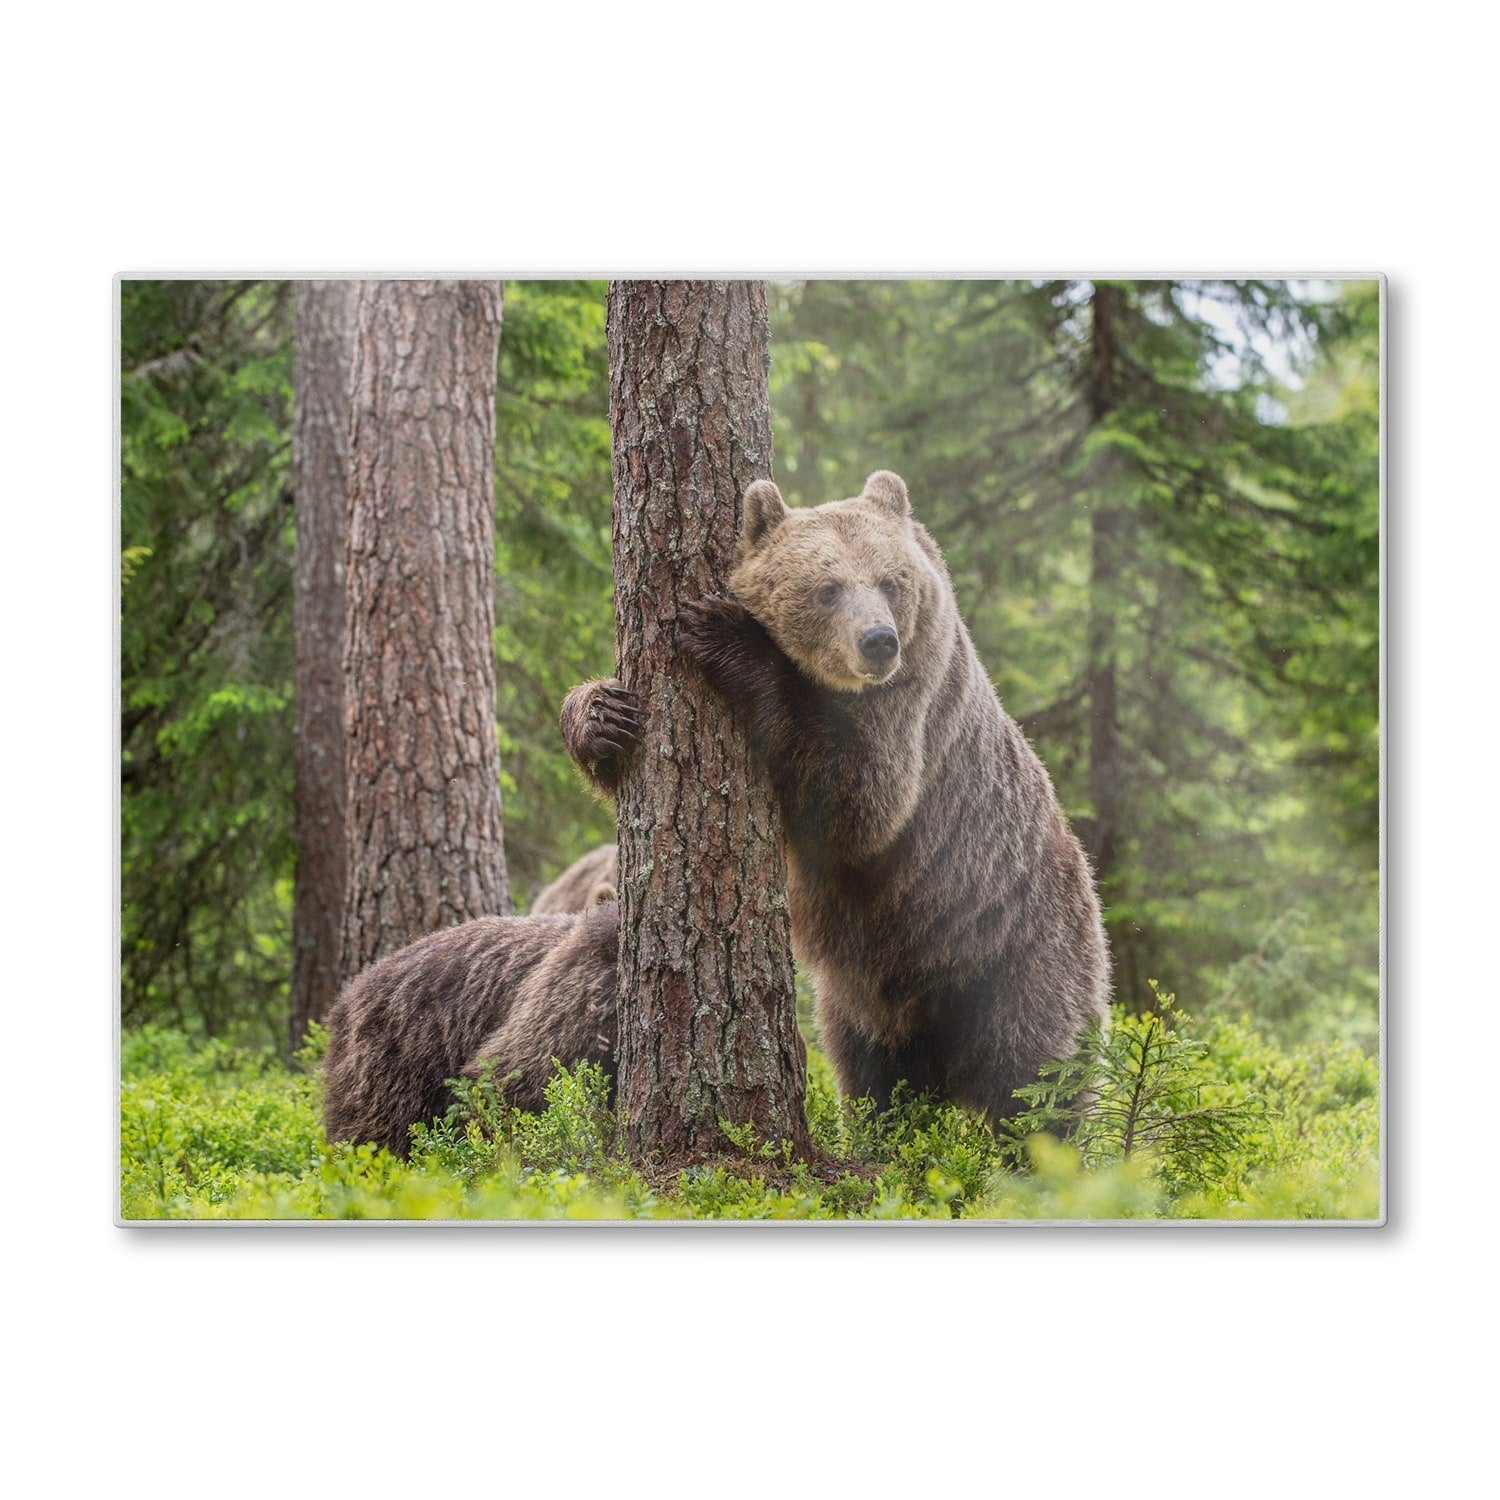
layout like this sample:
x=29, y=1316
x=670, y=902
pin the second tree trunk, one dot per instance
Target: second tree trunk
x=424, y=817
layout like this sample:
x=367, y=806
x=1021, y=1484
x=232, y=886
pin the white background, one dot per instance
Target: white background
x=653, y=140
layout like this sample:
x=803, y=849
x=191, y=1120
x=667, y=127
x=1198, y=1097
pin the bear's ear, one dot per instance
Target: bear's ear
x=888, y=492
x=765, y=510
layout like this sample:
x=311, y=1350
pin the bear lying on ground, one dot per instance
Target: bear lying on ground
x=515, y=990
x=567, y=1012
x=944, y=910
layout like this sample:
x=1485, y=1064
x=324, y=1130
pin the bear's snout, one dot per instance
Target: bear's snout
x=879, y=645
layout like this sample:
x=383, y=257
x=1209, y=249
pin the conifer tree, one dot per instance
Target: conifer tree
x=708, y=1030
x=424, y=822
x=324, y=339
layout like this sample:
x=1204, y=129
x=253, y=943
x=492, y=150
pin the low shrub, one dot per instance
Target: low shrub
x=1157, y=1117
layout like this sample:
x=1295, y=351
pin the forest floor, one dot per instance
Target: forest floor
x=1234, y=1127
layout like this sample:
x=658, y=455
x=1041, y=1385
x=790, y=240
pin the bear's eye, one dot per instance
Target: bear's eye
x=890, y=588
x=826, y=594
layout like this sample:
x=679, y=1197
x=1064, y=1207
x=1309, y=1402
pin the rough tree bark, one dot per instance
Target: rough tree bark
x=707, y=1014
x=422, y=766
x=324, y=332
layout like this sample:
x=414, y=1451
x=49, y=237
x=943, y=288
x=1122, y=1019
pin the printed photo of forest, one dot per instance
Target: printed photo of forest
x=1159, y=502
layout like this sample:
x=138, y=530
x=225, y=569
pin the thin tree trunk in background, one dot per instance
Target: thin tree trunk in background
x=809, y=470
x=324, y=332
x=707, y=1013
x=422, y=765
x=1103, y=690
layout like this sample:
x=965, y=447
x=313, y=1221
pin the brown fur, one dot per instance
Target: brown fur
x=556, y=1019
x=579, y=886
x=425, y=1014
x=944, y=909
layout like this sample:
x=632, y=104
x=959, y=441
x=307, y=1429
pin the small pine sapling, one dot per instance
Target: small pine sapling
x=1140, y=1089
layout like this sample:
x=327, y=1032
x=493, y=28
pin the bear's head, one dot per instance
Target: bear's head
x=842, y=588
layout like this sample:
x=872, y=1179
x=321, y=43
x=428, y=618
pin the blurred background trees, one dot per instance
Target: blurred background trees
x=206, y=846
x=1159, y=501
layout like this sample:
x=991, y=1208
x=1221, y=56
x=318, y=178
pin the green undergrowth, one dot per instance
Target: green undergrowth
x=1160, y=1118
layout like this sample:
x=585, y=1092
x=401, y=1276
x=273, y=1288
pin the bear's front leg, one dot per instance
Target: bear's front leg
x=601, y=730
x=729, y=646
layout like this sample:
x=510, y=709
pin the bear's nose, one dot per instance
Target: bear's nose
x=879, y=644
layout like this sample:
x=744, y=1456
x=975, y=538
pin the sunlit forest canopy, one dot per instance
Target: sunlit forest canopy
x=1159, y=502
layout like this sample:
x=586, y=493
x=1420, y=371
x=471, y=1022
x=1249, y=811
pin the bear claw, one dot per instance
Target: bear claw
x=601, y=729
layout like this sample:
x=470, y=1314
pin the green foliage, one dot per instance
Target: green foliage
x=1165, y=1119
x=207, y=854
x=1059, y=1186
x=1283, y=983
x=1312, y=1146
x=200, y=1119
x=1141, y=1089
x=314, y=1044
x=575, y=1133
x=211, y=1130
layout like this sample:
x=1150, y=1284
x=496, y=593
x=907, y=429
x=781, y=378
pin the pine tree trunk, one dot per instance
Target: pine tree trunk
x=324, y=332
x=707, y=1014
x=1104, y=574
x=422, y=766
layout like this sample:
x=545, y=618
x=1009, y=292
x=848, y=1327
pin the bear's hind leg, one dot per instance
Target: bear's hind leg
x=865, y=1068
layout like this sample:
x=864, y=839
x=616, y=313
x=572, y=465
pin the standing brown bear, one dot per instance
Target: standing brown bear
x=514, y=991
x=946, y=913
